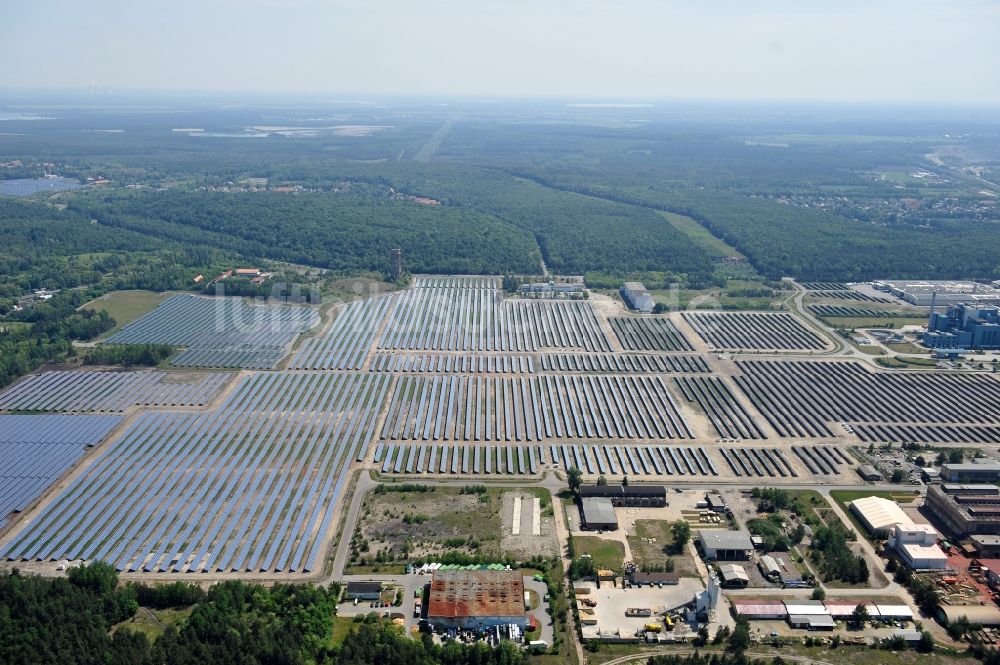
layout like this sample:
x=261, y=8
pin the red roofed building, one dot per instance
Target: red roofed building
x=477, y=599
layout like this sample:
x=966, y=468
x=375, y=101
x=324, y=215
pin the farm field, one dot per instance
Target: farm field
x=125, y=306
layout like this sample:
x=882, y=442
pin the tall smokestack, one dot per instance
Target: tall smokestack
x=930, y=319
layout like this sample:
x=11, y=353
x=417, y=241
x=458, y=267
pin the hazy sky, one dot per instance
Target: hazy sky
x=814, y=50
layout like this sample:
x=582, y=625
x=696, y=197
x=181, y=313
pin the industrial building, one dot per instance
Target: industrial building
x=986, y=546
x=363, y=590
x=597, y=514
x=964, y=326
x=942, y=292
x=733, y=576
x=916, y=546
x=477, y=599
x=965, y=510
x=868, y=472
x=878, y=515
x=725, y=545
x=970, y=473
x=636, y=297
x=987, y=616
x=629, y=496
x=552, y=289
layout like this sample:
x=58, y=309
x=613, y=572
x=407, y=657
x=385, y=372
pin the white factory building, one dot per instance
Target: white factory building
x=916, y=545
x=878, y=515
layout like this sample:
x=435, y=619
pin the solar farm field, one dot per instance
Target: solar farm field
x=533, y=409
x=468, y=314
x=37, y=450
x=753, y=330
x=250, y=487
x=245, y=472
x=802, y=398
x=646, y=334
x=220, y=332
x=111, y=391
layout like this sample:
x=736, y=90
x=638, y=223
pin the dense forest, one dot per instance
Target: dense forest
x=81, y=619
x=796, y=192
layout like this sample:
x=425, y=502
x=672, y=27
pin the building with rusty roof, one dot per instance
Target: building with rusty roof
x=477, y=599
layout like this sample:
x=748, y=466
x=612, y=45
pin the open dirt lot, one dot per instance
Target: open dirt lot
x=528, y=524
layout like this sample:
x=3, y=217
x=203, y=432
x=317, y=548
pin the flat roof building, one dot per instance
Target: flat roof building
x=986, y=546
x=759, y=609
x=942, y=292
x=636, y=297
x=970, y=473
x=597, y=513
x=477, y=599
x=964, y=514
x=916, y=546
x=363, y=590
x=631, y=496
x=878, y=514
x=725, y=545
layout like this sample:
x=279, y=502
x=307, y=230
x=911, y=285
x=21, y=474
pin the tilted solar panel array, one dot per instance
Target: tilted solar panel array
x=110, y=391
x=535, y=408
x=465, y=314
x=648, y=334
x=220, y=332
x=800, y=397
x=36, y=450
x=249, y=487
x=346, y=344
x=753, y=330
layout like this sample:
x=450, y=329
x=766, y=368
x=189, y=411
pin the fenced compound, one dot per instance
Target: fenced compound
x=648, y=334
x=753, y=330
x=465, y=364
x=220, y=332
x=724, y=411
x=36, y=450
x=110, y=391
x=622, y=362
x=469, y=314
x=461, y=408
x=800, y=398
x=249, y=487
x=347, y=343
